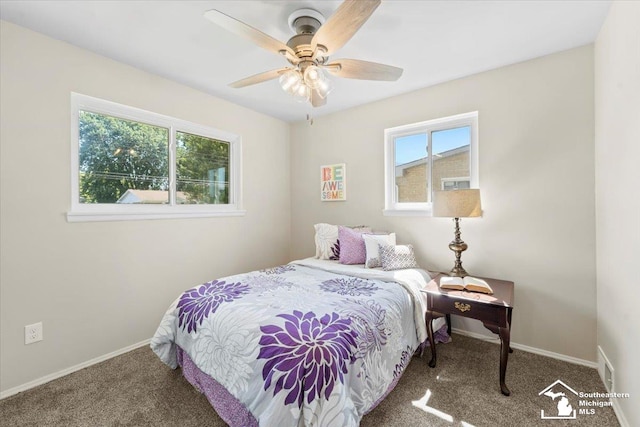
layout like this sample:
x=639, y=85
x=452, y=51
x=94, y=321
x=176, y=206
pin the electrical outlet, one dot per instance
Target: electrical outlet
x=33, y=333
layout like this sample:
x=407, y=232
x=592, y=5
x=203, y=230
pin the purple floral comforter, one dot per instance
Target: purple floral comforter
x=297, y=344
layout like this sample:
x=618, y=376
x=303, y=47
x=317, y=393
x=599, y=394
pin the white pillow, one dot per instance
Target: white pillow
x=326, y=239
x=372, y=244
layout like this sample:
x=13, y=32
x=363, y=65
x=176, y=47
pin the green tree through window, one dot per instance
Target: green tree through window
x=202, y=169
x=117, y=155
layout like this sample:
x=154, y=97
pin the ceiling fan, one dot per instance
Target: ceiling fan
x=309, y=49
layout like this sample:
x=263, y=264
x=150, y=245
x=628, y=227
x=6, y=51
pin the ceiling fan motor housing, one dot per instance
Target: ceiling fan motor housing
x=300, y=43
x=305, y=23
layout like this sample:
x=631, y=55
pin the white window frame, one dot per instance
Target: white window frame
x=392, y=206
x=82, y=212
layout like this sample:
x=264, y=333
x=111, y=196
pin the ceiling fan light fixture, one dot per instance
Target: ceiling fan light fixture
x=324, y=88
x=302, y=93
x=313, y=76
x=290, y=81
x=309, y=49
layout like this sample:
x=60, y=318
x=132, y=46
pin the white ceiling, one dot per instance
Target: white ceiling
x=433, y=41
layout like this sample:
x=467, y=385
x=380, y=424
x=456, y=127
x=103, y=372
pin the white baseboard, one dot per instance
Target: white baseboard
x=619, y=414
x=67, y=371
x=528, y=349
x=616, y=407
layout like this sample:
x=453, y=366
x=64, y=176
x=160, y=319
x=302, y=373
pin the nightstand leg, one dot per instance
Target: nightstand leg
x=509, y=319
x=505, y=338
x=432, y=343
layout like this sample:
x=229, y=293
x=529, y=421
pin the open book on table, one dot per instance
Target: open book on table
x=468, y=283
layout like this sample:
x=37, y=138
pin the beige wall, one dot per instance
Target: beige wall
x=100, y=287
x=536, y=179
x=617, y=141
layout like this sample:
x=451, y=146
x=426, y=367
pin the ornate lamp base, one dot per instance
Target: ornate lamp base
x=458, y=246
x=458, y=271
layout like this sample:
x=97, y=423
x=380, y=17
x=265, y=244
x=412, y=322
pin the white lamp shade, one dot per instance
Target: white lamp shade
x=457, y=203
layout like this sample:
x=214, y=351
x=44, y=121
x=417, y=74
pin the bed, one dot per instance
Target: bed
x=312, y=342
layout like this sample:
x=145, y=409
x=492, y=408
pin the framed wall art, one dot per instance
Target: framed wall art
x=333, y=182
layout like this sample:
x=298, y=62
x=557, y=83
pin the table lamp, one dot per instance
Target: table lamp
x=457, y=204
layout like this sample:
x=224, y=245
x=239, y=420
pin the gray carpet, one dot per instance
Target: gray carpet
x=136, y=389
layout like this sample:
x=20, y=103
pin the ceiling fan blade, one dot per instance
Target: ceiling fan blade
x=261, y=39
x=316, y=99
x=344, y=23
x=259, y=78
x=364, y=70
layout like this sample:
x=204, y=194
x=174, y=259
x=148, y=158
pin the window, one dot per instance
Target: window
x=423, y=157
x=129, y=163
x=202, y=170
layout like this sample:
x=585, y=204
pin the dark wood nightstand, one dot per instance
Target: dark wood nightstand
x=494, y=311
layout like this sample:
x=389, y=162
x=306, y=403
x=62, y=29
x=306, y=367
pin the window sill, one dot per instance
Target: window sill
x=97, y=216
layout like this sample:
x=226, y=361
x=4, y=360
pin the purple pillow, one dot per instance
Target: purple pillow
x=352, y=249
